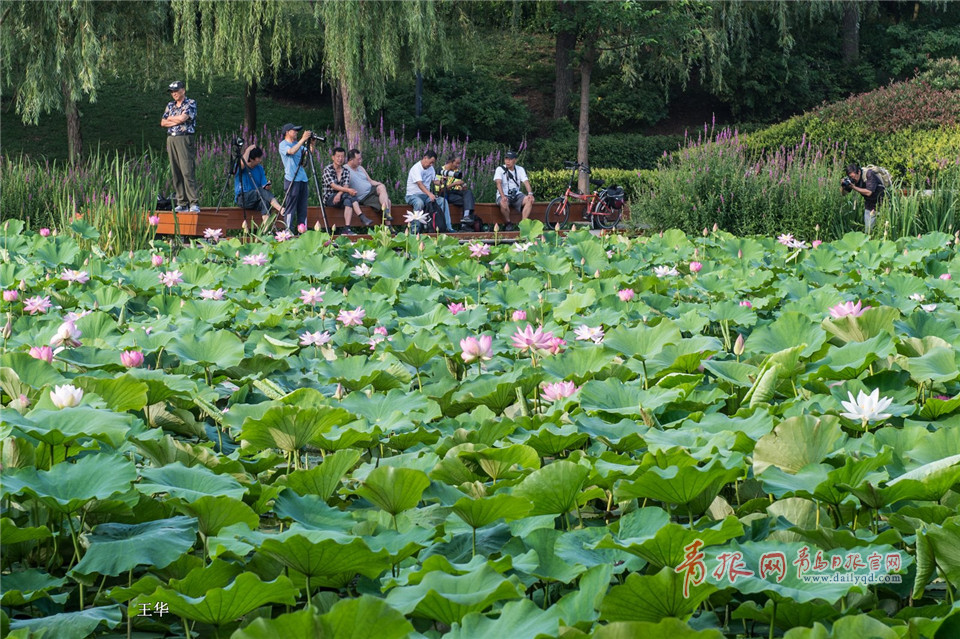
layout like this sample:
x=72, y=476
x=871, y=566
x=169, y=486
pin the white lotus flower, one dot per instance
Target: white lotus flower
x=66, y=396
x=416, y=216
x=866, y=408
x=361, y=270
x=522, y=247
x=368, y=255
x=665, y=271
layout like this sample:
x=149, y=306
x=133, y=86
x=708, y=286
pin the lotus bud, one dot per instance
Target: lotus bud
x=338, y=395
x=696, y=252
x=556, y=227
x=506, y=268
x=244, y=226
x=496, y=227
x=20, y=404
x=420, y=246
x=705, y=232
x=130, y=256
x=817, y=228
x=11, y=296
x=110, y=234
x=479, y=278
x=333, y=229
x=96, y=304
x=739, y=255
x=716, y=227
x=54, y=232
x=8, y=328
x=887, y=271
x=582, y=261
x=596, y=273
x=316, y=227
x=738, y=345
x=22, y=285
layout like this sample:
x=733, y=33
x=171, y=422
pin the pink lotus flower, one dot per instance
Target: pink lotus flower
x=479, y=249
x=258, y=259
x=312, y=297
x=786, y=239
x=558, y=391
x=11, y=295
x=476, y=348
x=816, y=243
x=213, y=235
x=80, y=277
x=37, y=304
x=73, y=316
x=131, y=359
x=533, y=340
x=42, y=352
x=380, y=330
x=746, y=303
x=211, y=294
x=945, y=276
x=695, y=267
x=68, y=335
x=44, y=232
x=171, y=278
x=456, y=307
x=302, y=228
x=314, y=339
x=156, y=260
x=283, y=236
x=519, y=316
x=626, y=294
x=154, y=220
x=848, y=308
x=557, y=344
x=351, y=318
x=586, y=333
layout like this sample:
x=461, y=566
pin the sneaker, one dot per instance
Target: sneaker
x=180, y=209
x=510, y=227
x=348, y=230
x=194, y=209
x=387, y=218
x=366, y=220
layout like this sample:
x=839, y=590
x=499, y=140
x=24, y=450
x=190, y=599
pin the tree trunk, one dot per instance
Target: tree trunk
x=337, y=108
x=851, y=32
x=583, y=134
x=74, y=136
x=563, y=82
x=250, y=107
x=351, y=121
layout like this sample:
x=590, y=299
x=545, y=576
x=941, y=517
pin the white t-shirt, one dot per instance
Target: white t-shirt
x=507, y=178
x=419, y=174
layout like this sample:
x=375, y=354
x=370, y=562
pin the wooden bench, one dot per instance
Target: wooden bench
x=232, y=218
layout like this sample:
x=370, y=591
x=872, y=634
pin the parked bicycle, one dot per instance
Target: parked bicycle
x=604, y=206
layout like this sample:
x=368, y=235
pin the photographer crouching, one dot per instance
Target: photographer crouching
x=251, y=188
x=868, y=184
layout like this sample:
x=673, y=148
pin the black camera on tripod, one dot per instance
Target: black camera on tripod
x=317, y=138
x=456, y=175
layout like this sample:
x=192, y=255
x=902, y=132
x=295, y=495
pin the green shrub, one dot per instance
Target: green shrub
x=550, y=184
x=627, y=151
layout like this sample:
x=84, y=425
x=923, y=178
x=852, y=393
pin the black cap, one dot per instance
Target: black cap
x=290, y=127
x=511, y=155
x=175, y=86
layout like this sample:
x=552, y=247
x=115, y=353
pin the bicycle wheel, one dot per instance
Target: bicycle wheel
x=557, y=213
x=605, y=217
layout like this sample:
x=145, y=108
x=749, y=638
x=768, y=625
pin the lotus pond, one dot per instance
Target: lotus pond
x=576, y=436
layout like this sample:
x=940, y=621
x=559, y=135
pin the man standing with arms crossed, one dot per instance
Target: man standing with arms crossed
x=180, y=120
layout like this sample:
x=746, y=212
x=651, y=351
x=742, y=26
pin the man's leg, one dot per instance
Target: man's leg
x=468, y=204
x=527, y=206
x=302, y=200
x=190, y=170
x=290, y=202
x=445, y=207
x=173, y=152
x=384, y=203
x=504, y=203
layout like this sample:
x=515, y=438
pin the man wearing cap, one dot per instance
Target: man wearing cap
x=509, y=178
x=294, y=177
x=251, y=188
x=180, y=120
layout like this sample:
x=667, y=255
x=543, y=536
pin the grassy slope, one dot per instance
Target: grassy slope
x=126, y=118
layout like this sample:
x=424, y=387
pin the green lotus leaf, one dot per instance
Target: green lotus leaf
x=13, y=534
x=392, y=410
x=415, y=351
x=785, y=332
x=554, y=488
x=312, y=512
x=788, y=614
x=291, y=428
x=117, y=548
x=496, y=392
x=167, y=451
x=873, y=322
x=324, y=554
x=851, y=359
x=666, y=628
x=68, y=486
x=929, y=482
x=736, y=373
x=221, y=349
x=354, y=373
x=303, y=623
x=572, y=304
x=798, y=442
x=393, y=267
x=549, y=565
x=450, y=598
x=188, y=483
x=394, y=489
x=22, y=587
x=550, y=440
x=935, y=408
x=938, y=551
x=220, y=606
x=652, y=598
x=665, y=546
x=578, y=365
x=324, y=478
x=162, y=385
x=60, y=427
x=613, y=396
x=69, y=625
x=642, y=342
x=214, y=512
x=939, y=365
x=499, y=463
x=676, y=485
x=99, y=329
x=23, y=375
x=196, y=583
x=518, y=620
x=478, y=513
x=245, y=277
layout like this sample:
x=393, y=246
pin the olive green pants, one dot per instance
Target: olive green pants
x=183, y=154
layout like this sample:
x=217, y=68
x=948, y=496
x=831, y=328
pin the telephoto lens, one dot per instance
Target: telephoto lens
x=317, y=138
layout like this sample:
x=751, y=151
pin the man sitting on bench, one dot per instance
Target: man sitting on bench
x=369, y=192
x=509, y=177
x=337, y=192
x=251, y=188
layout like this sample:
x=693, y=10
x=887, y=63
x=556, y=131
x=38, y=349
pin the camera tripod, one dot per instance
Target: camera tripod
x=307, y=152
x=238, y=167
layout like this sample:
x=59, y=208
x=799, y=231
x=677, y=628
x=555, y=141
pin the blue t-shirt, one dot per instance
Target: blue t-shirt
x=292, y=171
x=252, y=179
